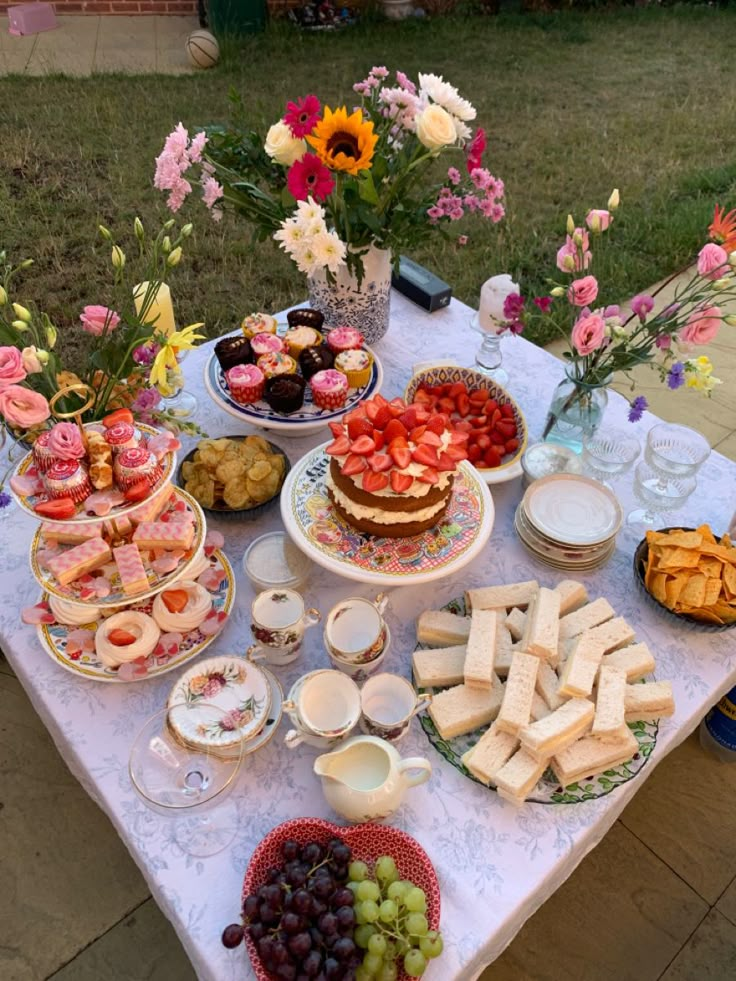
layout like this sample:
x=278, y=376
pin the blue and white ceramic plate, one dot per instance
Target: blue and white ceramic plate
x=309, y=419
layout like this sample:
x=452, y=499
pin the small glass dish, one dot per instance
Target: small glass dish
x=273, y=561
x=609, y=454
x=676, y=451
x=545, y=459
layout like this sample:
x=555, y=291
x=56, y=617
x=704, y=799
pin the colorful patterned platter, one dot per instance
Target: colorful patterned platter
x=116, y=596
x=445, y=374
x=308, y=419
x=548, y=790
x=367, y=841
x=168, y=464
x=313, y=525
x=55, y=638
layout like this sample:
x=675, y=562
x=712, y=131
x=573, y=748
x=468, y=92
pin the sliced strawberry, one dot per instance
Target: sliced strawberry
x=423, y=415
x=371, y=410
x=490, y=407
x=428, y=438
x=498, y=439
x=479, y=395
x=512, y=445
x=409, y=419
x=417, y=432
x=397, y=407
x=444, y=390
x=58, y=510
x=455, y=453
x=395, y=428
x=339, y=447
x=373, y=482
x=360, y=427
x=138, y=492
x=379, y=439
x=363, y=445
x=382, y=418
x=465, y=426
x=121, y=638
x=335, y=428
x=458, y=388
x=429, y=476
x=398, y=441
x=446, y=462
x=463, y=404
x=175, y=600
x=438, y=423
x=484, y=442
x=424, y=397
x=379, y=400
x=507, y=410
x=474, y=453
x=446, y=404
x=379, y=462
x=359, y=412
x=478, y=422
x=507, y=427
x=401, y=455
x=119, y=415
x=458, y=439
x=426, y=455
x=492, y=457
x=353, y=464
x=401, y=482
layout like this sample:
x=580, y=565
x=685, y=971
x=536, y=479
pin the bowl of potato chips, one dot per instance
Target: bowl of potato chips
x=234, y=474
x=690, y=574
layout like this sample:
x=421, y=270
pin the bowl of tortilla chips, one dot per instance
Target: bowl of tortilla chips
x=690, y=574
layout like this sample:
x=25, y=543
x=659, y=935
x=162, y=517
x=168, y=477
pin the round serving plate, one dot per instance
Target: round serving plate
x=448, y=375
x=309, y=419
x=27, y=503
x=572, y=510
x=315, y=527
x=117, y=597
x=368, y=842
x=54, y=637
x=548, y=790
x=558, y=553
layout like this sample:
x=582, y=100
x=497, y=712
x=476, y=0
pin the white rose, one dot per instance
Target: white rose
x=435, y=128
x=282, y=146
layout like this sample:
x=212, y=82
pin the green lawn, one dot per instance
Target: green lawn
x=574, y=105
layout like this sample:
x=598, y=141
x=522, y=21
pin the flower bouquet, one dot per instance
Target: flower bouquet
x=603, y=342
x=344, y=191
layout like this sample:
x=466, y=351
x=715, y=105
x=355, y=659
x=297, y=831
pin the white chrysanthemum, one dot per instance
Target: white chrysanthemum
x=309, y=210
x=312, y=227
x=329, y=250
x=447, y=96
x=290, y=236
x=306, y=259
x=463, y=132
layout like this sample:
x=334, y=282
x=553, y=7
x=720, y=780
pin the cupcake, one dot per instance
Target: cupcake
x=42, y=455
x=246, y=383
x=277, y=363
x=136, y=464
x=285, y=393
x=266, y=344
x=356, y=366
x=258, y=323
x=314, y=359
x=329, y=389
x=299, y=338
x=344, y=339
x=305, y=317
x=123, y=436
x=65, y=442
x=233, y=350
x=68, y=478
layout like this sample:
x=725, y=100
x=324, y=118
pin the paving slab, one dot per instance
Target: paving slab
x=621, y=916
x=709, y=955
x=15, y=52
x=69, y=49
x=171, y=36
x=126, y=44
x=727, y=903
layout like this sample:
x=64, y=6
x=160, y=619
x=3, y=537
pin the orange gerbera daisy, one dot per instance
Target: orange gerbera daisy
x=344, y=142
x=723, y=228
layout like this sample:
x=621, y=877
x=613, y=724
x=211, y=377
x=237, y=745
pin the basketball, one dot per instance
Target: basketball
x=202, y=49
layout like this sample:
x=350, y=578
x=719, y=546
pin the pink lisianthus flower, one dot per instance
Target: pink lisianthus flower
x=475, y=149
x=583, y=292
x=712, y=261
x=663, y=342
x=95, y=319
x=589, y=333
x=302, y=116
x=702, y=326
x=22, y=407
x=641, y=305
x=11, y=367
x=309, y=177
x=604, y=218
x=211, y=192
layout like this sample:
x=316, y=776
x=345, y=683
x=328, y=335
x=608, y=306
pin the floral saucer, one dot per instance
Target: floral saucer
x=233, y=684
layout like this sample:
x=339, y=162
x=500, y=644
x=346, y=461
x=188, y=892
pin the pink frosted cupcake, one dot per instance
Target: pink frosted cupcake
x=136, y=464
x=277, y=363
x=42, y=455
x=123, y=436
x=266, y=344
x=68, y=478
x=246, y=383
x=329, y=389
x=344, y=339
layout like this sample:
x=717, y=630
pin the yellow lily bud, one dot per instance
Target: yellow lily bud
x=187, y=230
x=26, y=264
x=51, y=335
x=570, y=225
x=117, y=257
x=730, y=320
x=20, y=325
x=569, y=263
x=105, y=233
x=138, y=229
x=174, y=257
x=22, y=313
x=558, y=291
x=166, y=244
x=614, y=200
x=3, y=297
x=43, y=356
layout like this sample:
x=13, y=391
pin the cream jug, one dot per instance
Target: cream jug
x=366, y=778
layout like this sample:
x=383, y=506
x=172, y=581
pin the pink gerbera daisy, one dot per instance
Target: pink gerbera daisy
x=302, y=116
x=309, y=177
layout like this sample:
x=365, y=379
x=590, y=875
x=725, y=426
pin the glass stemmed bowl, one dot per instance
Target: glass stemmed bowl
x=177, y=774
x=658, y=496
x=668, y=474
x=609, y=454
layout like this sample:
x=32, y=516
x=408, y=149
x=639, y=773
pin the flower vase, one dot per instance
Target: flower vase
x=345, y=302
x=576, y=411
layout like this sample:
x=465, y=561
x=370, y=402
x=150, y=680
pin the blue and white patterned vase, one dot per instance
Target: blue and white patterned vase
x=366, y=307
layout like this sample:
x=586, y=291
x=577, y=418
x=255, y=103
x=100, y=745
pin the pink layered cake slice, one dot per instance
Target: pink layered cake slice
x=164, y=534
x=150, y=510
x=133, y=577
x=77, y=561
x=69, y=533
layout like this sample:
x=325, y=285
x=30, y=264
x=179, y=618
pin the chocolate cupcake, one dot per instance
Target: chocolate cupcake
x=305, y=317
x=314, y=359
x=285, y=393
x=231, y=351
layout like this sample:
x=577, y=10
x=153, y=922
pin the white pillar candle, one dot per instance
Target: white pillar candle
x=493, y=294
x=160, y=311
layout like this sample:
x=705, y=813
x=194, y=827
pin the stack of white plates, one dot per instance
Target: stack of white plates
x=569, y=521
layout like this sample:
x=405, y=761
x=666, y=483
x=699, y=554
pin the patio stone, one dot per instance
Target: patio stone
x=727, y=903
x=709, y=955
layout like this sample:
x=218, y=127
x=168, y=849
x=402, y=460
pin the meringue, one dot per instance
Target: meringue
x=73, y=614
x=197, y=608
x=200, y=562
x=139, y=624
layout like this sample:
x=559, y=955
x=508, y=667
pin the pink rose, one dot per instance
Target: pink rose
x=712, y=261
x=604, y=218
x=702, y=326
x=65, y=441
x=582, y=292
x=94, y=319
x=22, y=407
x=11, y=367
x=588, y=333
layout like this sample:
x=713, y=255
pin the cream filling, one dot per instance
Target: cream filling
x=197, y=608
x=380, y=517
x=419, y=488
x=139, y=624
x=73, y=614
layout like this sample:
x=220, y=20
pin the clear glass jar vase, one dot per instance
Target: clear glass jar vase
x=576, y=410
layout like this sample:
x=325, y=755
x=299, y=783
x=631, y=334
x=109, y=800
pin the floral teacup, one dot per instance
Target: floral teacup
x=389, y=703
x=324, y=707
x=278, y=622
x=359, y=672
x=355, y=631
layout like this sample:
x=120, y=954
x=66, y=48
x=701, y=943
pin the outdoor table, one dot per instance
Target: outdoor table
x=496, y=863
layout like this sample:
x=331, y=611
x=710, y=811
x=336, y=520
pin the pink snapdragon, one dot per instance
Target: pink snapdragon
x=641, y=305
x=474, y=150
x=663, y=342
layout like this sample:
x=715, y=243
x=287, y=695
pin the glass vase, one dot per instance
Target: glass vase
x=576, y=411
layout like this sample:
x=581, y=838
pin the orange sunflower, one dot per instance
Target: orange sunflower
x=344, y=142
x=723, y=228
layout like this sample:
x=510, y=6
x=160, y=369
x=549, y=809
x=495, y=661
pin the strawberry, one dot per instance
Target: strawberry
x=423, y=415
x=58, y=510
x=138, y=492
x=121, y=638
x=417, y=432
x=379, y=400
x=429, y=476
x=445, y=462
x=456, y=453
x=359, y=427
x=444, y=390
x=398, y=441
x=458, y=439
x=498, y=439
x=477, y=422
x=401, y=482
x=119, y=415
x=408, y=419
x=463, y=404
x=396, y=407
x=175, y=600
x=507, y=427
x=438, y=423
x=379, y=439
x=425, y=455
x=424, y=397
x=339, y=447
x=507, y=410
x=382, y=418
x=446, y=404
x=363, y=445
x=353, y=464
x=464, y=426
x=474, y=453
x=371, y=410
x=429, y=438
x=512, y=445
x=401, y=455
x=373, y=482
x=479, y=395
x=495, y=416
x=335, y=428
x=395, y=428
x=380, y=461
x=458, y=388
x=492, y=457
x=484, y=442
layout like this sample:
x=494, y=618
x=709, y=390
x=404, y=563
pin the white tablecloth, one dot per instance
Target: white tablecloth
x=496, y=864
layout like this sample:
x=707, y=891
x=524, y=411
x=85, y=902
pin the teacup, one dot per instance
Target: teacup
x=278, y=622
x=360, y=672
x=389, y=703
x=355, y=631
x=323, y=706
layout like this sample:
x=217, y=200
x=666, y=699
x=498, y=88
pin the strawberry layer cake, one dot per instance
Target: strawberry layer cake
x=393, y=466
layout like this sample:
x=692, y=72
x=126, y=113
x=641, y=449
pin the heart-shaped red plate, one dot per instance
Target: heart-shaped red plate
x=367, y=841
